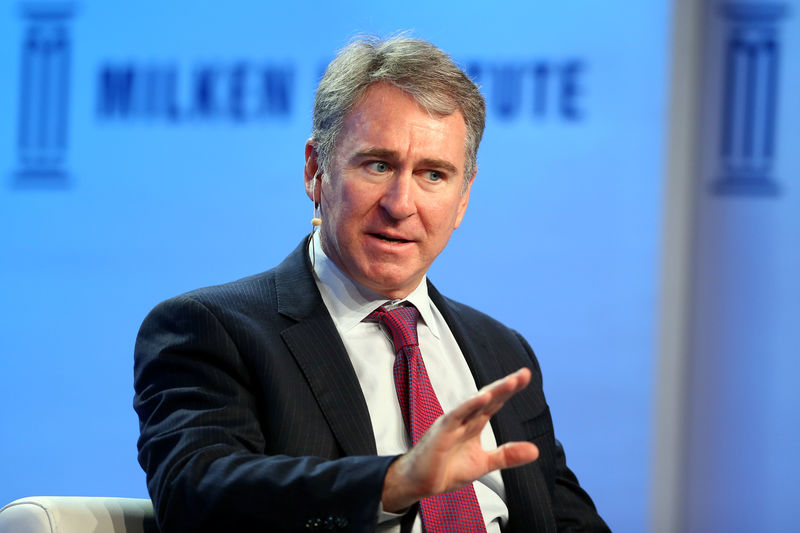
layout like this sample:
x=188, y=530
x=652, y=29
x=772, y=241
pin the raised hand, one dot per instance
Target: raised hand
x=449, y=455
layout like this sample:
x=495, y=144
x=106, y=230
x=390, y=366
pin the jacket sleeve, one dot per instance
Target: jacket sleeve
x=202, y=443
x=573, y=509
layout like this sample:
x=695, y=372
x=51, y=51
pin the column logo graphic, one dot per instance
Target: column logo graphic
x=44, y=90
x=750, y=82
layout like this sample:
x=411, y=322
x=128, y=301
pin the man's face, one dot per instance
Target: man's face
x=395, y=191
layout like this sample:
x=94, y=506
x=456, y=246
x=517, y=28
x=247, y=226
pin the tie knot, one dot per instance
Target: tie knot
x=401, y=322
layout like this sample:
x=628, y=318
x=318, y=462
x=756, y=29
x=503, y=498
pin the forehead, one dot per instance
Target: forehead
x=389, y=118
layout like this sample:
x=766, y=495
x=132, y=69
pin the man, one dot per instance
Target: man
x=308, y=397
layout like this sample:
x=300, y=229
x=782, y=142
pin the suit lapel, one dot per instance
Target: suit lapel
x=527, y=495
x=486, y=366
x=475, y=346
x=317, y=347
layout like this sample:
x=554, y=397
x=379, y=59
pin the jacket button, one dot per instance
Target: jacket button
x=313, y=523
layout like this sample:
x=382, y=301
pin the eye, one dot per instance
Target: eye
x=434, y=175
x=378, y=166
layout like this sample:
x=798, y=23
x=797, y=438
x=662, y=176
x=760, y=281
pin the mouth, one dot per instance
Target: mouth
x=390, y=239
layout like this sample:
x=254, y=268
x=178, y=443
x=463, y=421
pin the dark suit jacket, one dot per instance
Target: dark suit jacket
x=252, y=417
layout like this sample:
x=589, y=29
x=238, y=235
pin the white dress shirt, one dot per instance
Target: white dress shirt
x=372, y=355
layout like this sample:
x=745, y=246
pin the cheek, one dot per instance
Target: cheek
x=347, y=216
x=445, y=214
x=357, y=201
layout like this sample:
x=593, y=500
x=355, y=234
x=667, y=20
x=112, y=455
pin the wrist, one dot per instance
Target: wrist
x=397, y=496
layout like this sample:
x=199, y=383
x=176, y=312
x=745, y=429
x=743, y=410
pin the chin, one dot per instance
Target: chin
x=391, y=285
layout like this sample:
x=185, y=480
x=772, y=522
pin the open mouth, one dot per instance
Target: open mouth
x=386, y=238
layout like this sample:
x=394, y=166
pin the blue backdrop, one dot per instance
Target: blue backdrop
x=150, y=148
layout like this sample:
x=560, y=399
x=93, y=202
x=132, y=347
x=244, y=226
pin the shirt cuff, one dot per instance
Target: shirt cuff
x=385, y=516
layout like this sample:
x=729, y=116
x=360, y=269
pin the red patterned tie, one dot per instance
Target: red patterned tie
x=455, y=511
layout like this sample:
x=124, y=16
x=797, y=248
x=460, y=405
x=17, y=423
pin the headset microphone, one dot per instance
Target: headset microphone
x=316, y=221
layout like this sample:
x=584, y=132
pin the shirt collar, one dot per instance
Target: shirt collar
x=349, y=303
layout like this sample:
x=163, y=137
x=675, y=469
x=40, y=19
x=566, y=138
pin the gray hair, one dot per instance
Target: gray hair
x=417, y=67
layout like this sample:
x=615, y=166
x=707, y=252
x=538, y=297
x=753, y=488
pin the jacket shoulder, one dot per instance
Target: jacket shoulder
x=471, y=318
x=270, y=291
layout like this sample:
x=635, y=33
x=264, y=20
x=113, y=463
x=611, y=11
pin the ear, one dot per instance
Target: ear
x=464, y=200
x=313, y=190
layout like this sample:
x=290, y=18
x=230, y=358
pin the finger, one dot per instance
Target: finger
x=512, y=454
x=503, y=389
x=488, y=400
x=516, y=381
x=468, y=410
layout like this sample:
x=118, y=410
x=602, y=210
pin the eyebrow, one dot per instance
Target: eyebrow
x=391, y=155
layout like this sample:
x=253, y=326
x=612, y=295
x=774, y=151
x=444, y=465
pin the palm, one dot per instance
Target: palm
x=450, y=455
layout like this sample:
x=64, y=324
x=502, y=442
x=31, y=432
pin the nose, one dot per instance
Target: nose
x=398, y=197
